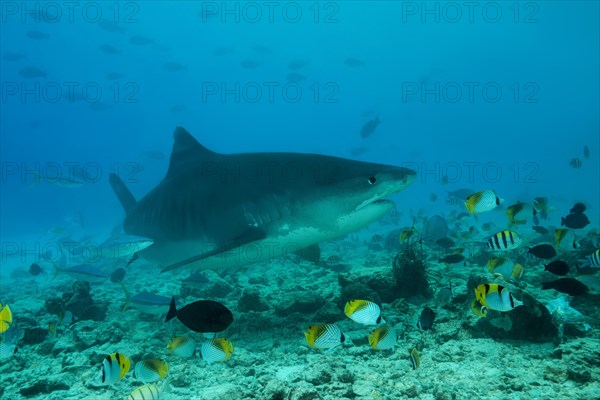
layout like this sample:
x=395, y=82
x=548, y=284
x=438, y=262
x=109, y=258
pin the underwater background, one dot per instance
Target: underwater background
x=500, y=96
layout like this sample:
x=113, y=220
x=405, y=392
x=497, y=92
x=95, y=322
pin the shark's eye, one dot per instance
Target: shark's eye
x=372, y=180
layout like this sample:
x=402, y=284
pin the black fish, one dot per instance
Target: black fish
x=453, y=259
x=426, y=319
x=545, y=251
x=557, y=267
x=35, y=269
x=445, y=242
x=578, y=208
x=575, y=221
x=369, y=127
x=202, y=316
x=118, y=275
x=541, y=230
x=566, y=285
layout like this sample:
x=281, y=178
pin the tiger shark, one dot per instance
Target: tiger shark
x=216, y=210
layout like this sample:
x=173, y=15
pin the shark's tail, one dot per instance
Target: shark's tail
x=123, y=194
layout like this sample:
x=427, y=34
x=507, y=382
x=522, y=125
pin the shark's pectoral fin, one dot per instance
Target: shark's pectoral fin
x=251, y=235
x=311, y=253
x=123, y=194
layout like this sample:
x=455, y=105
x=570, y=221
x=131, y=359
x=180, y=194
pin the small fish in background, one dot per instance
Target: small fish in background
x=6, y=318
x=540, y=229
x=557, y=267
x=376, y=238
x=426, y=319
x=110, y=26
x=202, y=316
x=565, y=239
x=7, y=350
x=541, y=206
x=505, y=268
x=114, y=367
x=543, y=251
x=149, y=391
x=117, y=275
x=250, y=63
x=37, y=35
x=148, y=303
x=575, y=163
x=177, y=108
x=483, y=201
x=443, y=296
x=383, y=338
x=181, y=346
x=478, y=309
x=113, y=76
x=369, y=127
x=216, y=350
x=487, y=226
x=32, y=72
x=568, y=286
x=221, y=51
x=35, y=269
x=415, y=358
x=452, y=259
x=520, y=213
x=108, y=49
x=586, y=152
x=454, y=201
x=172, y=66
x=52, y=331
x=297, y=64
x=151, y=370
x=82, y=272
x=295, y=77
x=139, y=40
x=593, y=259
x=433, y=197
x=444, y=180
x=260, y=49
x=445, y=242
x=504, y=241
x=364, y=312
x=407, y=233
x=12, y=56
x=496, y=297
x=324, y=336
x=353, y=62
x=576, y=219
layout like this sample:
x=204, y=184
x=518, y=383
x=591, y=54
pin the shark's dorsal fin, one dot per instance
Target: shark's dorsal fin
x=186, y=149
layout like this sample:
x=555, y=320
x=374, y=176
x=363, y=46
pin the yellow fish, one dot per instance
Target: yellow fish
x=114, y=367
x=483, y=201
x=219, y=349
x=151, y=370
x=478, y=309
x=415, y=358
x=383, y=338
x=181, y=346
x=363, y=311
x=324, y=336
x=496, y=297
x=6, y=318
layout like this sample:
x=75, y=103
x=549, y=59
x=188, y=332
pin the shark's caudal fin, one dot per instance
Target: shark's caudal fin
x=125, y=197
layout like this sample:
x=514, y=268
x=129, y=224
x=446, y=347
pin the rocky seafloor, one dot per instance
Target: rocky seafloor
x=525, y=355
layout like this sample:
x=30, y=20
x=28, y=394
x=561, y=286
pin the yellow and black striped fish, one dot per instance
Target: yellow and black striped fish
x=151, y=370
x=114, y=367
x=363, y=311
x=415, y=358
x=383, y=338
x=146, y=392
x=6, y=318
x=216, y=350
x=324, y=336
x=483, y=201
x=503, y=241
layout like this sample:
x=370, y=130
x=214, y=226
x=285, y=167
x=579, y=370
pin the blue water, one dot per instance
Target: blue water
x=542, y=56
